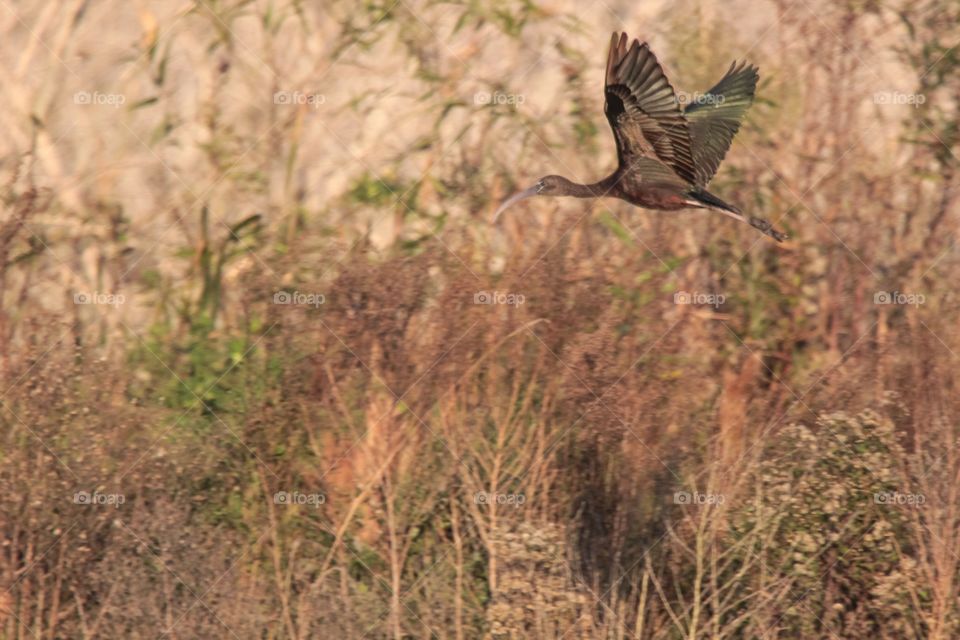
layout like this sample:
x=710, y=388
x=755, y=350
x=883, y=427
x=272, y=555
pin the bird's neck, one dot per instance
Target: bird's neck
x=595, y=190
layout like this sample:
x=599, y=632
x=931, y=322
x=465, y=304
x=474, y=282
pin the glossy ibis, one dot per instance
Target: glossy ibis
x=667, y=154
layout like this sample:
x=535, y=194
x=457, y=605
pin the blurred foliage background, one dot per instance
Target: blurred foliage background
x=240, y=251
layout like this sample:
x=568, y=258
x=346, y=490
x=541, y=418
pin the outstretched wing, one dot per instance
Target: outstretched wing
x=643, y=109
x=715, y=117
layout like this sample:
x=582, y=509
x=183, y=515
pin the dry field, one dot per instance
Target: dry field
x=268, y=371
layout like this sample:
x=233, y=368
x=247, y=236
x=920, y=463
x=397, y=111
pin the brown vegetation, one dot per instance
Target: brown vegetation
x=250, y=387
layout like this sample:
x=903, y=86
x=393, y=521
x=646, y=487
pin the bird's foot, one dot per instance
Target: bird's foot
x=767, y=228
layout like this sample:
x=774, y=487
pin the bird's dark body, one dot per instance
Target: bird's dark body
x=632, y=188
x=667, y=154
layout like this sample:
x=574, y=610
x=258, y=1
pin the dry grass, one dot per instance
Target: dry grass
x=185, y=453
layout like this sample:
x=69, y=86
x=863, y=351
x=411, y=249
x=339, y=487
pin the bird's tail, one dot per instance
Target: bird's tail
x=703, y=198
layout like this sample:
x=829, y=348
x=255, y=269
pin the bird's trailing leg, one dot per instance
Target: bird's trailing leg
x=764, y=226
x=767, y=228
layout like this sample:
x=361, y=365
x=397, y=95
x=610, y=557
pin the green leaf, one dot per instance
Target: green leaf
x=146, y=102
x=610, y=222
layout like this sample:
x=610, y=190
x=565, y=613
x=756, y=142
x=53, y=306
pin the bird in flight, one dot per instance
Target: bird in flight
x=667, y=154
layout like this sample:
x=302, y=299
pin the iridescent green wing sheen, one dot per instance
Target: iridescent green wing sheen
x=714, y=118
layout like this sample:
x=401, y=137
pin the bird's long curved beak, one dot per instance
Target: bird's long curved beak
x=515, y=198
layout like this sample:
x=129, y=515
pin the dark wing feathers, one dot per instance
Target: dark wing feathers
x=715, y=119
x=643, y=110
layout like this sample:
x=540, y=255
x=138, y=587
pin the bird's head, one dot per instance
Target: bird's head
x=552, y=185
x=545, y=186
